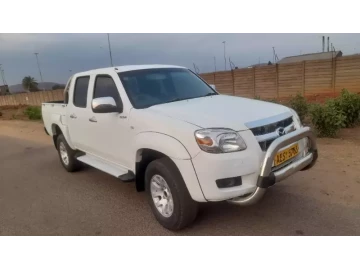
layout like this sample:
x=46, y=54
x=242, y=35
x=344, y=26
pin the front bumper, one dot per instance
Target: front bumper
x=268, y=178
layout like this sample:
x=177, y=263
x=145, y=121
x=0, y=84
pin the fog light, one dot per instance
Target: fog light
x=229, y=182
x=307, y=146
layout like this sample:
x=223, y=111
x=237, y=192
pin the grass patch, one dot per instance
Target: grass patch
x=33, y=112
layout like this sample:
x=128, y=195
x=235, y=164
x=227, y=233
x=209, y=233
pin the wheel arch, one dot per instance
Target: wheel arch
x=158, y=145
x=56, y=130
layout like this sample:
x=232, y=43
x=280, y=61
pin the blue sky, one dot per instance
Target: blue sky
x=59, y=53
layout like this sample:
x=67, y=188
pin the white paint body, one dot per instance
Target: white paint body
x=168, y=128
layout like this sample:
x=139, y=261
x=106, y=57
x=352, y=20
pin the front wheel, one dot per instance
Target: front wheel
x=168, y=196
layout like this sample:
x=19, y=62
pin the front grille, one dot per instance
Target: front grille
x=271, y=127
x=264, y=145
x=270, y=130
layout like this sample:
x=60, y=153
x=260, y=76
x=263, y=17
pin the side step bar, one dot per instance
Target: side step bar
x=110, y=168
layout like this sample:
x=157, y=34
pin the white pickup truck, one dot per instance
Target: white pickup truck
x=176, y=137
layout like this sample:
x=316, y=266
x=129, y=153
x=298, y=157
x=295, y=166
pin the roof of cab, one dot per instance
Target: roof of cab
x=126, y=68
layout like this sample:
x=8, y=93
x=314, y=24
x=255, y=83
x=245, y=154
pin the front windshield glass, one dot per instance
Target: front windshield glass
x=148, y=87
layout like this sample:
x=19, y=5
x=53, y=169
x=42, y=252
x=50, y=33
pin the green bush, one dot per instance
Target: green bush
x=274, y=100
x=349, y=104
x=33, y=112
x=299, y=104
x=328, y=119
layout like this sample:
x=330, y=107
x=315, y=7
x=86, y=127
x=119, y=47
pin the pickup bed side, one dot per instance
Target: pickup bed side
x=54, y=118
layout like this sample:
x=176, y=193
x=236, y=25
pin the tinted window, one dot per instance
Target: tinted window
x=80, y=91
x=150, y=87
x=105, y=87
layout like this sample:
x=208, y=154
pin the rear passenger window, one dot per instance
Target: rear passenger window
x=106, y=87
x=80, y=91
x=66, y=98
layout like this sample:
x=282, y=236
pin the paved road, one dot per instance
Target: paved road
x=38, y=197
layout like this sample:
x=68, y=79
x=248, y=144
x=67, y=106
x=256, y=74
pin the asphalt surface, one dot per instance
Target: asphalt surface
x=38, y=197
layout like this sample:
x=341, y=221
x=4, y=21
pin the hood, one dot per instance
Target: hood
x=220, y=111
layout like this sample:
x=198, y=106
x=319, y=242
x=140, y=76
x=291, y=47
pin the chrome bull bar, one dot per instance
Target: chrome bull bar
x=268, y=178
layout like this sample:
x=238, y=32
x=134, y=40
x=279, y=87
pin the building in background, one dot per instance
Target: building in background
x=310, y=56
x=4, y=90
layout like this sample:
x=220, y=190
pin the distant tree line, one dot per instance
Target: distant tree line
x=29, y=83
x=58, y=86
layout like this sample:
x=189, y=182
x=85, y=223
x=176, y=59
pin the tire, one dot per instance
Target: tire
x=185, y=209
x=72, y=164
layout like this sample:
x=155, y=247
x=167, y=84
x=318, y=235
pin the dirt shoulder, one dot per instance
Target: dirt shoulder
x=26, y=130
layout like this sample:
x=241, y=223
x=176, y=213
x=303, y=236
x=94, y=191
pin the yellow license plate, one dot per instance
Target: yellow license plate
x=286, y=154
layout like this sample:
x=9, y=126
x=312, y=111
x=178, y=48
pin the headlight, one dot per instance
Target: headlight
x=219, y=140
x=296, y=118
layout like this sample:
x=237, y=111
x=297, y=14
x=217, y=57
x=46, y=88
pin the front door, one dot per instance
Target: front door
x=110, y=131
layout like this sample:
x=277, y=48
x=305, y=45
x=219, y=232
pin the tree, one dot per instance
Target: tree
x=29, y=83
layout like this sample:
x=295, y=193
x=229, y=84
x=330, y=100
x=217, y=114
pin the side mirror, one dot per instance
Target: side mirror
x=213, y=86
x=105, y=105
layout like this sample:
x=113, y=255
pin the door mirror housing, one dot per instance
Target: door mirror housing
x=105, y=105
x=213, y=86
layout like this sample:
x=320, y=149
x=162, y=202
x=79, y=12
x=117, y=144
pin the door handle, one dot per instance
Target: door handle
x=93, y=119
x=73, y=116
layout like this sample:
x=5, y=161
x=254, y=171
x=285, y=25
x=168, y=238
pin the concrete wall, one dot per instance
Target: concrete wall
x=310, y=78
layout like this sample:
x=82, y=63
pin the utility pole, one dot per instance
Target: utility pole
x=224, y=52
x=37, y=60
x=274, y=57
x=2, y=75
x=215, y=63
x=111, y=61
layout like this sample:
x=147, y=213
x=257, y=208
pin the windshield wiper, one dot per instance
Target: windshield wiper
x=176, y=99
x=180, y=99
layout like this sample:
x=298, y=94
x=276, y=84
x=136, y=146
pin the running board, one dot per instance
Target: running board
x=112, y=169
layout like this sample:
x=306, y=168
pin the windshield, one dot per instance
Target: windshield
x=148, y=87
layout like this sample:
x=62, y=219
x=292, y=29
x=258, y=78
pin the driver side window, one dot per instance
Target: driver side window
x=106, y=87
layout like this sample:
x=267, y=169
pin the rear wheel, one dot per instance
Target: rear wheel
x=67, y=155
x=168, y=196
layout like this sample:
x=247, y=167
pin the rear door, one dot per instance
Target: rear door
x=78, y=112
